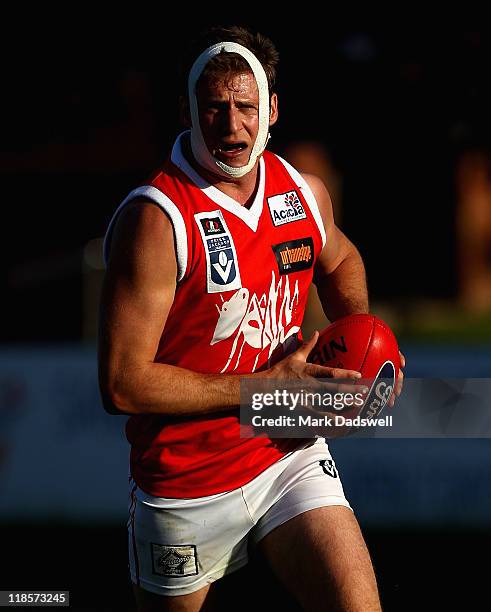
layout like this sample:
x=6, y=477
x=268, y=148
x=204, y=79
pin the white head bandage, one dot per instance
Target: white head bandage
x=198, y=145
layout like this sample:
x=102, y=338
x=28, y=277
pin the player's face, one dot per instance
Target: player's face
x=229, y=117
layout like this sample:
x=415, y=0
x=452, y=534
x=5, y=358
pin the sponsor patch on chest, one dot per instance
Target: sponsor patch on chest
x=222, y=266
x=286, y=208
x=294, y=255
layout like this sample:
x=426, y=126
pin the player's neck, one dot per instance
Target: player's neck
x=242, y=189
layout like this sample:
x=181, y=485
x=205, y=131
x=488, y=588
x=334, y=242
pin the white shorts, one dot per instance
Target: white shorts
x=178, y=546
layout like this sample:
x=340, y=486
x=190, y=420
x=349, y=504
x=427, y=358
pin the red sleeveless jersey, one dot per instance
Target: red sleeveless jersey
x=242, y=287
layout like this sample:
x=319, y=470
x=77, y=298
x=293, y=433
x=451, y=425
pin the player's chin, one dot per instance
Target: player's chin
x=236, y=160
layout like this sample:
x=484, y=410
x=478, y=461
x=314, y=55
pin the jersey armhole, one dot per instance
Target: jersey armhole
x=171, y=210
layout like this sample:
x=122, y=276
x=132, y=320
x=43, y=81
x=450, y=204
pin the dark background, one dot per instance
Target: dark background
x=416, y=569
x=89, y=109
x=89, y=113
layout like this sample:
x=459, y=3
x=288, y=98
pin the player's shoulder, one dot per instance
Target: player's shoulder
x=141, y=212
x=321, y=195
x=316, y=184
x=141, y=244
x=140, y=224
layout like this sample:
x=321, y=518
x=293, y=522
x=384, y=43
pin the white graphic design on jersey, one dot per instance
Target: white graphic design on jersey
x=259, y=322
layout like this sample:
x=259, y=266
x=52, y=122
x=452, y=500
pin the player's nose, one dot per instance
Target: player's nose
x=230, y=120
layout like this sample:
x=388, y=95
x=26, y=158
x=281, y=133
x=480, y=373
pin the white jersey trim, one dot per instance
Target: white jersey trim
x=168, y=206
x=250, y=216
x=309, y=196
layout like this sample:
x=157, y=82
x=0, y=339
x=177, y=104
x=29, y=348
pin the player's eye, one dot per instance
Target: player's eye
x=248, y=111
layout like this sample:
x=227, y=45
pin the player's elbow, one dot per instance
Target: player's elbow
x=116, y=397
x=113, y=404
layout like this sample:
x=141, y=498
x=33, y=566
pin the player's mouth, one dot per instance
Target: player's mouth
x=231, y=149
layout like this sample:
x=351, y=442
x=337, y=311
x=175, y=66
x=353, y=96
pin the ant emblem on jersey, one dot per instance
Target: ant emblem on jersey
x=222, y=269
x=286, y=208
x=258, y=322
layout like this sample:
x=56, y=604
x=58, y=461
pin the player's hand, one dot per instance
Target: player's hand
x=399, y=382
x=296, y=367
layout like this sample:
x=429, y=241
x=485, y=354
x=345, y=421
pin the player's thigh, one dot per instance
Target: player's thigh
x=322, y=558
x=199, y=601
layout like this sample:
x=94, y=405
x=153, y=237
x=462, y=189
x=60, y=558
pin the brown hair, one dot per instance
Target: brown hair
x=225, y=65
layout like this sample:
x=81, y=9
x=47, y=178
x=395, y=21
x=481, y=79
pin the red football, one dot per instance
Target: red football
x=364, y=343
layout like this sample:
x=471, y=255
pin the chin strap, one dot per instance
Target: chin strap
x=198, y=145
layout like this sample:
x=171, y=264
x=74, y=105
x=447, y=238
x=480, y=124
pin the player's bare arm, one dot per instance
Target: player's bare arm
x=137, y=295
x=339, y=273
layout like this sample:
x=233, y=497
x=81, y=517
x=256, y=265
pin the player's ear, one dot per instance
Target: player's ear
x=184, y=111
x=273, y=109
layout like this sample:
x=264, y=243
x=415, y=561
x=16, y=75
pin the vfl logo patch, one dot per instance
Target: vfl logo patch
x=328, y=467
x=294, y=255
x=286, y=208
x=174, y=560
x=212, y=226
x=222, y=269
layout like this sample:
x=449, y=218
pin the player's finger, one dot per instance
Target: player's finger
x=318, y=371
x=392, y=399
x=399, y=383
x=338, y=380
x=307, y=347
x=325, y=386
x=397, y=390
x=340, y=373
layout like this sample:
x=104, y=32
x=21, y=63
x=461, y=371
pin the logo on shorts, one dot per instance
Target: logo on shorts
x=286, y=208
x=174, y=560
x=294, y=255
x=328, y=467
